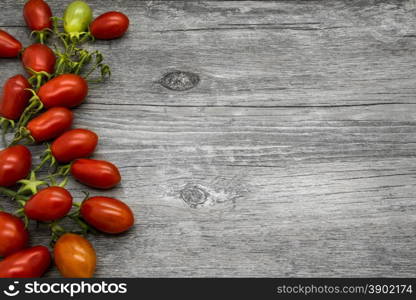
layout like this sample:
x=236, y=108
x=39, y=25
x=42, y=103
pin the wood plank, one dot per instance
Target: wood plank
x=293, y=156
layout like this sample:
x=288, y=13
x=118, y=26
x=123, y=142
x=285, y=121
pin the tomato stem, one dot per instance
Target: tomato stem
x=35, y=106
x=37, y=78
x=41, y=35
x=64, y=170
x=7, y=192
x=53, y=181
x=56, y=231
x=6, y=124
x=46, y=156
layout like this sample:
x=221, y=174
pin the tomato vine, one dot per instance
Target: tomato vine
x=60, y=70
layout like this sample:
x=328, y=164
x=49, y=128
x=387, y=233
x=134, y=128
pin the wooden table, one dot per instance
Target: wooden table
x=283, y=145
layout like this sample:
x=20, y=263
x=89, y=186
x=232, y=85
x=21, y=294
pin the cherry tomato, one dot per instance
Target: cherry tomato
x=13, y=235
x=109, y=25
x=108, y=215
x=37, y=14
x=77, y=17
x=74, y=256
x=50, y=124
x=99, y=174
x=67, y=90
x=15, y=164
x=38, y=58
x=49, y=204
x=74, y=144
x=28, y=263
x=9, y=46
x=15, y=97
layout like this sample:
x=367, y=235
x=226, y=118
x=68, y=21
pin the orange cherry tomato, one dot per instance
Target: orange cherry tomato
x=95, y=173
x=28, y=263
x=67, y=90
x=50, y=124
x=13, y=234
x=15, y=164
x=74, y=256
x=74, y=144
x=106, y=214
x=15, y=97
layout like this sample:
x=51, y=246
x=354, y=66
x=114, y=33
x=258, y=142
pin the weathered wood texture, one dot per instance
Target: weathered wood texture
x=293, y=156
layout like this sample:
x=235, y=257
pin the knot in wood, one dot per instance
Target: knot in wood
x=194, y=195
x=179, y=80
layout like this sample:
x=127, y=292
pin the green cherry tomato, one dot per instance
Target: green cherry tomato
x=77, y=18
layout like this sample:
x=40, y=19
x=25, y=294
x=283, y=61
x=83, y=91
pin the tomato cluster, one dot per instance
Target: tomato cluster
x=38, y=110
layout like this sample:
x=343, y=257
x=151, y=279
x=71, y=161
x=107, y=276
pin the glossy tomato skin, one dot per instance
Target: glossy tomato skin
x=67, y=90
x=15, y=97
x=39, y=58
x=106, y=214
x=13, y=234
x=15, y=164
x=74, y=144
x=50, y=124
x=77, y=17
x=74, y=256
x=110, y=25
x=28, y=263
x=49, y=204
x=37, y=15
x=9, y=46
x=95, y=173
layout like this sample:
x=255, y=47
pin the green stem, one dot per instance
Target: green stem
x=6, y=124
x=35, y=105
x=7, y=192
x=46, y=157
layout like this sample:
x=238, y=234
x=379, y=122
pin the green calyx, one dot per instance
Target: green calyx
x=41, y=35
x=22, y=134
x=30, y=185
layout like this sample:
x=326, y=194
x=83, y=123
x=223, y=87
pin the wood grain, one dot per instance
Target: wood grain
x=294, y=155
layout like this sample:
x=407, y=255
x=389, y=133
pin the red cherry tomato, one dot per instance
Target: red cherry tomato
x=38, y=58
x=13, y=235
x=9, y=46
x=49, y=204
x=15, y=164
x=99, y=174
x=67, y=90
x=15, y=97
x=50, y=124
x=37, y=14
x=28, y=263
x=74, y=256
x=74, y=144
x=109, y=25
x=108, y=215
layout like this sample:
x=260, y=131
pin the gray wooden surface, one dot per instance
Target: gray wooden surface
x=293, y=156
